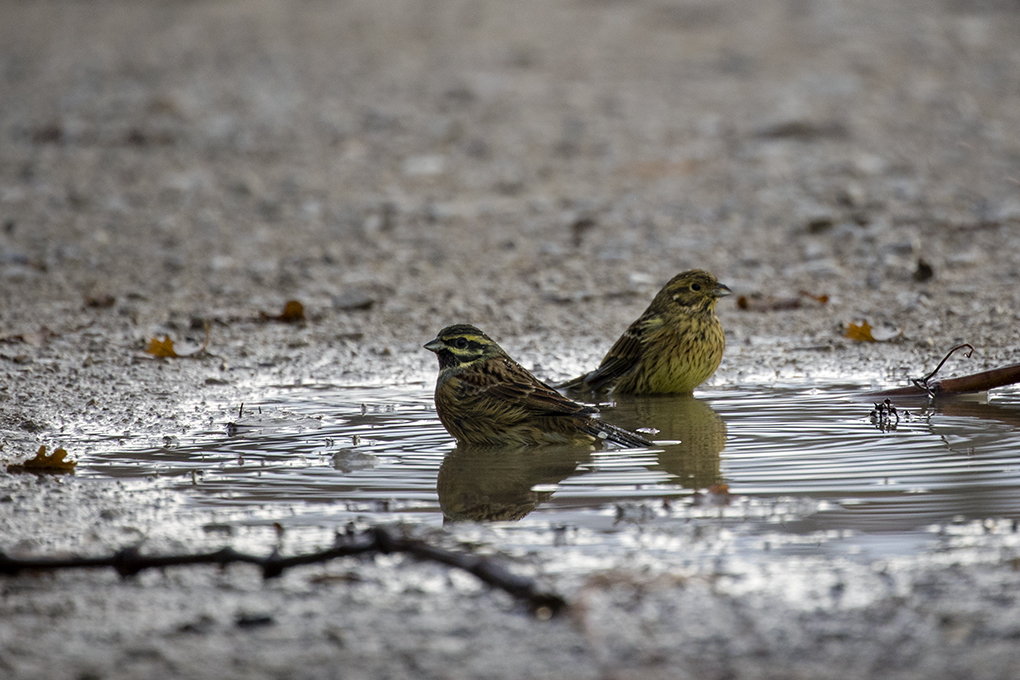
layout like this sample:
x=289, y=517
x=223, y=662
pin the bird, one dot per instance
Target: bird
x=674, y=346
x=485, y=398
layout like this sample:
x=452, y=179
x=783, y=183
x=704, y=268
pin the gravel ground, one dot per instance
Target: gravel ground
x=538, y=168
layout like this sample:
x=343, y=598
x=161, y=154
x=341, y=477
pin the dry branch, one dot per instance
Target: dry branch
x=967, y=384
x=130, y=561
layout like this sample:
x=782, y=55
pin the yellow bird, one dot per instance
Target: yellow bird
x=673, y=347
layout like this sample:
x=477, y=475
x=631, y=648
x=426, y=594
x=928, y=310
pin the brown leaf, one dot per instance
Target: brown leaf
x=758, y=303
x=293, y=312
x=57, y=462
x=861, y=333
x=162, y=348
x=820, y=299
x=769, y=303
x=165, y=348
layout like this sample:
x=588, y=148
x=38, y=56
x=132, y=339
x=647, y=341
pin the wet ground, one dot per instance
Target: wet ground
x=538, y=169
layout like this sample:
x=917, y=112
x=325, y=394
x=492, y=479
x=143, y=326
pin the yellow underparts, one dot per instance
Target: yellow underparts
x=676, y=363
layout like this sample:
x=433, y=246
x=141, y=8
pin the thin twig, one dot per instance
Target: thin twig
x=923, y=384
x=130, y=561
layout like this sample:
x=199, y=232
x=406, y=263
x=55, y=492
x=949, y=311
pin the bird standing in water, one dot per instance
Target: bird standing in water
x=484, y=397
x=673, y=347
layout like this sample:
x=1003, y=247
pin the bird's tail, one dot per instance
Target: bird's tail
x=618, y=435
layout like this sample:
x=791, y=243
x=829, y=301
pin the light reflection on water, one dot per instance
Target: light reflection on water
x=378, y=453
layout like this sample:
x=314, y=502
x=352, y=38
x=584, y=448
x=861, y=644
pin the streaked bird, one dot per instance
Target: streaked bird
x=484, y=397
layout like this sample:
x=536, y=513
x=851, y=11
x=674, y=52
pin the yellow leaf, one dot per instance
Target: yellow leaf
x=860, y=333
x=57, y=462
x=161, y=348
x=293, y=312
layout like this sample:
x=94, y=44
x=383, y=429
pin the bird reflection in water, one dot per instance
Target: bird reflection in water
x=682, y=418
x=491, y=484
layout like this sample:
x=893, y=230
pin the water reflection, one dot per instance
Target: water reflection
x=372, y=453
x=698, y=429
x=980, y=410
x=498, y=484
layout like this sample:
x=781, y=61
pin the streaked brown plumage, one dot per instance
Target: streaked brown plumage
x=484, y=397
x=673, y=347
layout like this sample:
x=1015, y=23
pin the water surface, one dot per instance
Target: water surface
x=804, y=460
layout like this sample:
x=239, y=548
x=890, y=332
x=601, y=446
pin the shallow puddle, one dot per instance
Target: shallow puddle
x=805, y=461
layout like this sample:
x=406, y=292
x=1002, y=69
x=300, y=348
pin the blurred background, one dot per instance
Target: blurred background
x=537, y=168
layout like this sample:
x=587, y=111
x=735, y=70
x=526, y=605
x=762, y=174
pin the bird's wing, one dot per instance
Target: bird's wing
x=621, y=358
x=509, y=384
x=508, y=381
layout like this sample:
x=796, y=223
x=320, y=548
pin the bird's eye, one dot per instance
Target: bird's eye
x=695, y=286
x=460, y=343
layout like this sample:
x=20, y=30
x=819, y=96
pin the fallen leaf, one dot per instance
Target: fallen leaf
x=162, y=348
x=865, y=333
x=165, y=347
x=768, y=303
x=820, y=299
x=861, y=333
x=758, y=303
x=293, y=312
x=56, y=462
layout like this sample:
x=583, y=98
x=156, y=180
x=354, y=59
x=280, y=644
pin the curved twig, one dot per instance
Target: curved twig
x=923, y=384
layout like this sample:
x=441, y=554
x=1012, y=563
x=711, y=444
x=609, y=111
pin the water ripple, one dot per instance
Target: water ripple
x=377, y=452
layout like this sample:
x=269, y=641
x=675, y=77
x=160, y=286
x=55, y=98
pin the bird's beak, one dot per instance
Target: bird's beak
x=721, y=290
x=433, y=345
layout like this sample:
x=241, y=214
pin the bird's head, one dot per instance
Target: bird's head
x=461, y=345
x=694, y=290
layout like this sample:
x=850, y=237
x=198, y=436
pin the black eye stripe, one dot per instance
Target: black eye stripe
x=461, y=343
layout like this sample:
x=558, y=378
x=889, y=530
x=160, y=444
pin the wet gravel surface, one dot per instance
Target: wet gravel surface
x=538, y=169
